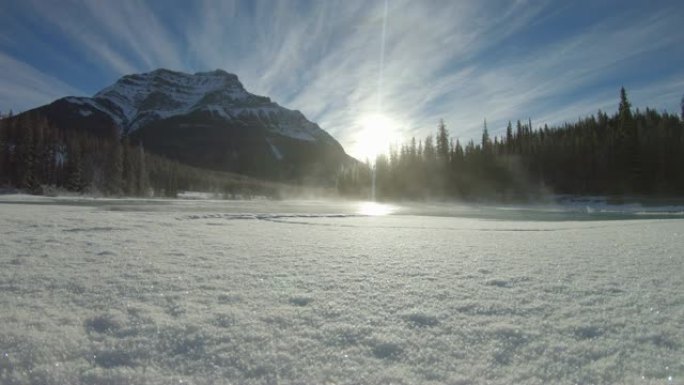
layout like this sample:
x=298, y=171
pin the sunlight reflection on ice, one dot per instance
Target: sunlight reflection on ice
x=375, y=209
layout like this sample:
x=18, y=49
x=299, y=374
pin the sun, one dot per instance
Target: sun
x=376, y=133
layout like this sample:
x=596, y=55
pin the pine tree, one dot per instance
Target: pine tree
x=26, y=157
x=442, y=142
x=114, y=169
x=49, y=157
x=39, y=149
x=413, y=150
x=486, y=141
x=129, y=173
x=509, y=136
x=458, y=152
x=142, y=177
x=625, y=107
x=429, y=153
x=3, y=152
x=629, y=162
x=74, y=166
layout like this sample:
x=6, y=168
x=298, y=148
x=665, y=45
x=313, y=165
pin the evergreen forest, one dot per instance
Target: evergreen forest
x=38, y=158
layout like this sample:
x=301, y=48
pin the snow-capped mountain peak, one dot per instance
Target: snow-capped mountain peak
x=136, y=99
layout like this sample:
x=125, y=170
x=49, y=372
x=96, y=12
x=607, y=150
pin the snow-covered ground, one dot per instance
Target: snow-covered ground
x=96, y=291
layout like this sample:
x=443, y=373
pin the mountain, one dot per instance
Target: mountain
x=206, y=120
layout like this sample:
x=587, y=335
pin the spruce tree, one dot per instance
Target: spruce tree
x=27, y=157
x=129, y=166
x=74, y=166
x=39, y=148
x=3, y=152
x=458, y=151
x=486, y=141
x=629, y=162
x=442, y=142
x=49, y=157
x=625, y=107
x=429, y=153
x=142, y=185
x=114, y=169
x=509, y=136
x=413, y=150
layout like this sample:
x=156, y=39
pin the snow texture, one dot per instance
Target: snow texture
x=97, y=291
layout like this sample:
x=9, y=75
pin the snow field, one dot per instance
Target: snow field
x=264, y=293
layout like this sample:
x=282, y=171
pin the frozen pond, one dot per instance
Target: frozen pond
x=213, y=292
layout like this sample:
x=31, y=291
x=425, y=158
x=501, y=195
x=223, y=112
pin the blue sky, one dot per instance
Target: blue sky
x=463, y=61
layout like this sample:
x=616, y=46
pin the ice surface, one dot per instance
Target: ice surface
x=96, y=291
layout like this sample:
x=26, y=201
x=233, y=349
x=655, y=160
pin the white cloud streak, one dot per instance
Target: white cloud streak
x=122, y=36
x=23, y=86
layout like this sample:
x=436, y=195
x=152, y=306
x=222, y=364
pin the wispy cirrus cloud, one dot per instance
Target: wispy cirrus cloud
x=21, y=81
x=461, y=61
x=138, y=30
x=576, y=76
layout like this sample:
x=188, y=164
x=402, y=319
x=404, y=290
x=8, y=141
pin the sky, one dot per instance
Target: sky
x=340, y=61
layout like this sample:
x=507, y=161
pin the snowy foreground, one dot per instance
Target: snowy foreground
x=208, y=292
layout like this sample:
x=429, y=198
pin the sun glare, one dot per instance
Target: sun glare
x=375, y=209
x=377, y=132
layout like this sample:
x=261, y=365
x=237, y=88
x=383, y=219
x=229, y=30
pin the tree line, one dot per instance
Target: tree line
x=628, y=153
x=40, y=159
